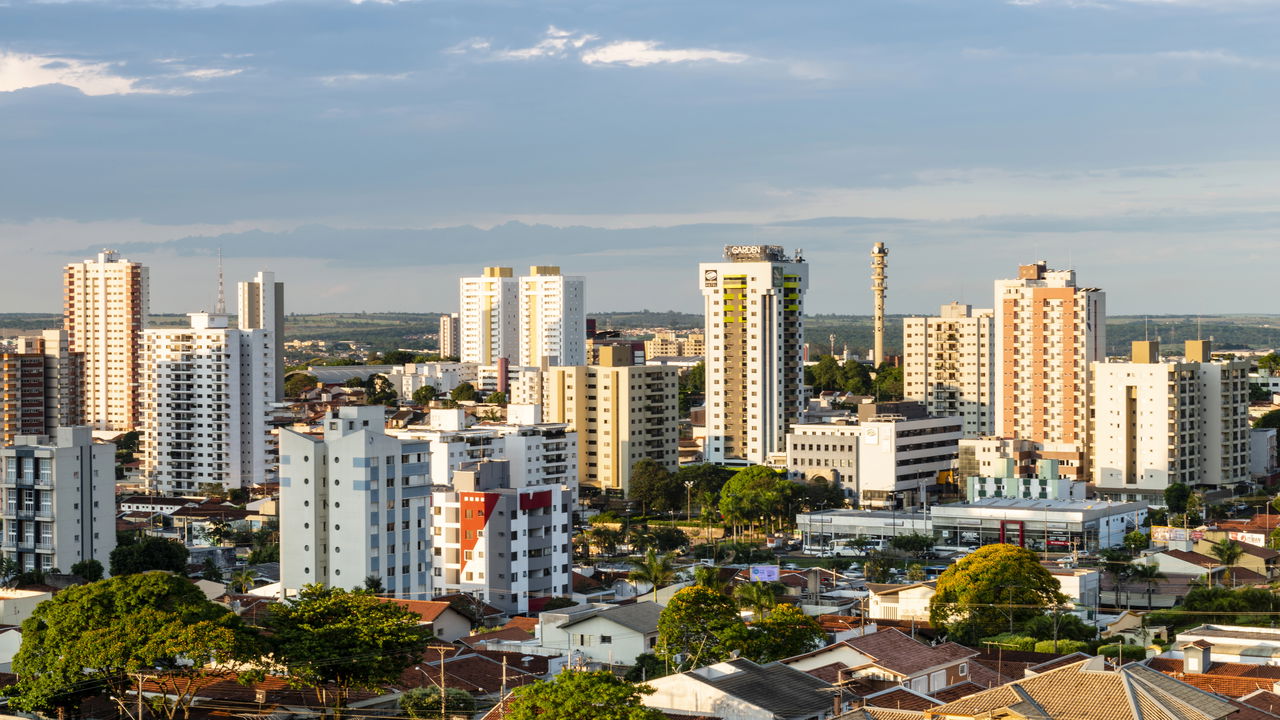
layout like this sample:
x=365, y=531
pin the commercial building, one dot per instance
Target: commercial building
x=207, y=391
x=1048, y=332
x=622, y=413
x=488, y=317
x=262, y=308
x=501, y=537
x=826, y=451
x=357, y=503
x=1159, y=422
x=59, y=500
x=949, y=365
x=42, y=389
x=754, y=310
x=1046, y=485
x=449, y=336
x=553, y=321
x=105, y=306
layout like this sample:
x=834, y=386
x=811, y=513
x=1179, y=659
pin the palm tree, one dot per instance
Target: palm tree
x=654, y=569
x=604, y=538
x=1228, y=552
x=709, y=576
x=758, y=597
x=1116, y=564
x=1150, y=575
x=242, y=580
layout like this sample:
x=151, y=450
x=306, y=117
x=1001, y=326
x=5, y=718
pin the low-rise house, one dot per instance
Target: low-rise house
x=17, y=605
x=610, y=635
x=1265, y=562
x=742, y=690
x=445, y=623
x=908, y=601
x=889, y=656
x=1185, y=562
x=1229, y=644
x=1228, y=679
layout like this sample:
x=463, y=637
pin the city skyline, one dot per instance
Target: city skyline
x=1105, y=136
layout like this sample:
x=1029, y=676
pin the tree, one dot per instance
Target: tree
x=210, y=571
x=784, y=632
x=1062, y=626
x=756, y=493
x=465, y=392
x=994, y=586
x=242, y=580
x=655, y=569
x=654, y=486
x=758, y=597
x=1136, y=541
x=1116, y=564
x=821, y=494
x=423, y=703
x=915, y=572
x=1228, y=552
x=710, y=577
x=424, y=395
x=647, y=667
x=1268, y=420
x=90, y=570
x=580, y=695
x=298, y=383
x=1175, y=497
x=914, y=543
x=380, y=391
x=1270, y=362
x=692, y=386
x=218, y=531
x=148, y=553
x=373, y=583
x=606, y=539
x=332, y=638
x=106, y=636
x=699, y=626
x=706, y=479
x=888, y=383
x=1148, y=574
x=496, y=398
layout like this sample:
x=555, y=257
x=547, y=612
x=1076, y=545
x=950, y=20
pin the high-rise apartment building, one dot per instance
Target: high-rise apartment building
x=501, y=538
x=262, y=308
x=1048, y=333
x=105, y=306
x=1159, y=422
x=553, y=321
x=949, y=365
x=489, y=317
x=449, y=336
x=207, y=391
x=754, y=303
x=59, y=499
x=622, y=413
x=357, y=503
x=41, y=386
x=668, y=344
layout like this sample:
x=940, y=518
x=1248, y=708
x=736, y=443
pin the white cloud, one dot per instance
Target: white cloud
x=360, y=78
x=19, y=71
x=211, y=73
x=640, y=53
x=555, y=43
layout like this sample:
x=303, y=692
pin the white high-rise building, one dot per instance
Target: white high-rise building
x=553, y=321
x=1048, y=332
x=489, y=317
x=449, y=336
x=1159, y=422
x=949, y=365
x=207, y=393
x=754, y=309
x=59, y=499
x=262, y=308
x=105, y=306
x=357, y=505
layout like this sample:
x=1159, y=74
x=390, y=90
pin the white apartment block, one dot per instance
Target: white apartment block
x=207, y=392
x=622, y=413
x=553, y=320
x=1160, y=422
x=668, y=344
x=449, y=336
x=356, y=503
x=503, y=539
x=443, y=376
x=754, y=304
x=489, y=317
x=59, y=500
x=105, y=306
x=1049, y=486
x=1048, y=332
x=949, y=365
x=262, y=308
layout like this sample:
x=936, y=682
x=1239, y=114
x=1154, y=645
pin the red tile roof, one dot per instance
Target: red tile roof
x=506, y=633
x=901, y=699
x=528, y=624
x=428, y=610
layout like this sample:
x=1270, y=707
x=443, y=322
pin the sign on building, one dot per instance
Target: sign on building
x=764, y=573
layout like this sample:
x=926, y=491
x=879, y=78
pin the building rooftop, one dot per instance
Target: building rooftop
x=779, y=689
x=642, y=617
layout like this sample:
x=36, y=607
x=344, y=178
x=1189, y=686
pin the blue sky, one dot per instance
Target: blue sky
x=371, y=152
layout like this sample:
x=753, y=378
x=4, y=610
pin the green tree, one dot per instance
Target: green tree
x=699, y=626
x=424, y=703
x=210, y=571
x=888, y=383
x=784, y=632
x=1268, y=420
x=1136, y=541
x=90, y=570
x=1228, y=552
x=822, y=494
x=654, y=486
x=1270, y=362
x=692, y=386
x=496, y=398
x=298, y=383
x=706, y=479
x=993, y=587
x=915, y=572
x=758, y=597
x=826, y=374
x=647, y=667
x=373, y=583
x=1175, y=497
x=914, y=543
x=711, y=577
x=425, y=394
x=148, y=553
x=1148, y=574
x=755, y=494
x=580, y=695
x=380, y=391
x=102, y=637
x=655, y=569
x=1063, y=626
x=242, y=580
x=465, y=392
x=605, y=539
x=218, y=532
x=335, y=641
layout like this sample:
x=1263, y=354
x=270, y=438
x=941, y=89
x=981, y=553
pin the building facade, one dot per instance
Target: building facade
x=262, y=308
x=754, y=310
x=1048, y=333
x=449, y=336
x=622, y=413
x=949, y=365
x=489, y=317
x=553, y=321
x=59, y=500
x=41, y=386
x=105, y=306
x=358, y=503
x=668, y=344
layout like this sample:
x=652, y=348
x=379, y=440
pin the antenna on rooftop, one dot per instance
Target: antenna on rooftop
x=221, y=307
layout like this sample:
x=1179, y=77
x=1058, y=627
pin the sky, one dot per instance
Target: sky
x=372, y=152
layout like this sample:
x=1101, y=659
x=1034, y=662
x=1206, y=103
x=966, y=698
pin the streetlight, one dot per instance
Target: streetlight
x=688, y=500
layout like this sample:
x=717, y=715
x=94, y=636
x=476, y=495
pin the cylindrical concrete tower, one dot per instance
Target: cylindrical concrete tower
x=879, y=263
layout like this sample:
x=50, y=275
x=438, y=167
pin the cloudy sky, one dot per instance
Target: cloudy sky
x=371, y=152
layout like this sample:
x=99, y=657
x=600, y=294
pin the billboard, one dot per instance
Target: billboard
x=1163, y=534
x=764, y=573
x=1250, y=538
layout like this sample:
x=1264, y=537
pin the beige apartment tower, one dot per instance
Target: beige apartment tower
x=949, y=365
x=105, y=306
x=40, y=386
x=1048, y=333
x=488, y=317
x=754, y=310
x=623, y=413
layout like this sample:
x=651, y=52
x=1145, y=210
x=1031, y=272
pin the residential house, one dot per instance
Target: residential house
x=742, y=690
x=892, y=658
x=1229, y=679
x=1260, y=560
x=1231, y=644
x=445, y=623
x=899, y=601
x=611, y=635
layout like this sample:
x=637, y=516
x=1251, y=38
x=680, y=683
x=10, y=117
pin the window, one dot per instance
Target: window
x=606, y=639
x=964, y=668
